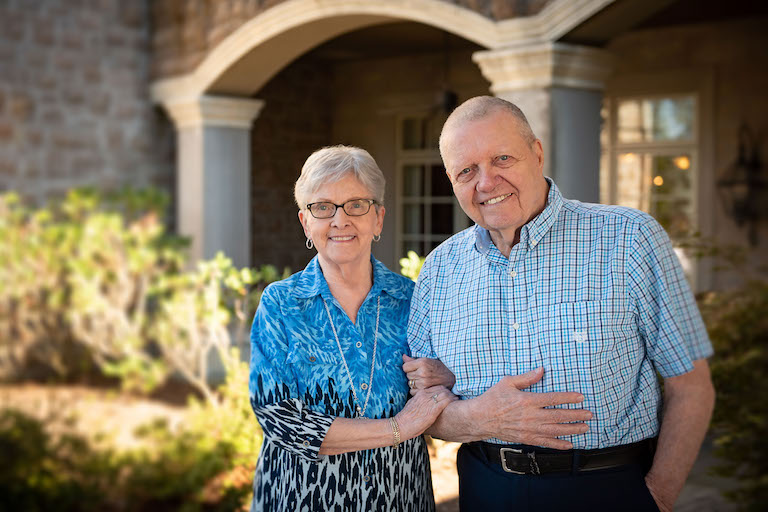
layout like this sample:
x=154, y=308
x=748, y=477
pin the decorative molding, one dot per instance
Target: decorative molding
x=544, y=65
x=214, y=111
x=315, y=21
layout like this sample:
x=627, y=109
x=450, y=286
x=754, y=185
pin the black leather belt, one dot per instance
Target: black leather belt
x=529, y=460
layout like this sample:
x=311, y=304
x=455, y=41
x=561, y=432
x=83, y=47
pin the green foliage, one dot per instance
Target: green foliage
x=176, y=471
x=738, y=326
x=96, y=281
x=411, y=266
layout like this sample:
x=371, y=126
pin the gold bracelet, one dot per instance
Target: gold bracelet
x=395, y=431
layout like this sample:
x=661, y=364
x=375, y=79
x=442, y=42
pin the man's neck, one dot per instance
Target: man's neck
x=505, y=240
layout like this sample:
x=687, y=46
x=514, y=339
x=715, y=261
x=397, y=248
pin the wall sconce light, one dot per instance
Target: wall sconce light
x=741, y=186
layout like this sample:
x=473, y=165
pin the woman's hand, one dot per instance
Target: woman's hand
x=424, y=373
x=421, y=411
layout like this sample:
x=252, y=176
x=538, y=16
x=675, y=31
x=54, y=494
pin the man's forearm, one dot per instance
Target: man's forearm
x=458, y=423
x=688, y=403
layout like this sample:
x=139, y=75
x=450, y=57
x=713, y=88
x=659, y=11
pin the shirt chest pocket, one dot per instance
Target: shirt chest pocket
x=580, y=342
x=313, y=365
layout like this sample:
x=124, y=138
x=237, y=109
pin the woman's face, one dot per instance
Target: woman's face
x=343, y=238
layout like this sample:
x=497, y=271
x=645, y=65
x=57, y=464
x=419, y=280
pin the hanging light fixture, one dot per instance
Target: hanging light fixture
x=742, y=185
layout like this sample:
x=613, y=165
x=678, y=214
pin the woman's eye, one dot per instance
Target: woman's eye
x=322, y=207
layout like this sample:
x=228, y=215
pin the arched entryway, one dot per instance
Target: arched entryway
x=215, y=105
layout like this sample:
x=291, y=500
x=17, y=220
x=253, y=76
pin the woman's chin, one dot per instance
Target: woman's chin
x=341, y=253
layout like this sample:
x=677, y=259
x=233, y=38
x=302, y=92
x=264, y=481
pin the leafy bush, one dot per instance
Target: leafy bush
x=411, y=266
x=96, y=281
x=180, y=471
x=738, y=326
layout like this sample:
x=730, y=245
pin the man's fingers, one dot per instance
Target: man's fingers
x=526, y=379
x=407, y=358
x=563, y=429
x=563, y=415
x=557, y=398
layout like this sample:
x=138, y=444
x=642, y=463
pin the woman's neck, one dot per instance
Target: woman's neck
x=349, y=283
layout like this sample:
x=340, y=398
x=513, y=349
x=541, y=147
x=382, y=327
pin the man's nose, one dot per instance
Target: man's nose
x=487, y=179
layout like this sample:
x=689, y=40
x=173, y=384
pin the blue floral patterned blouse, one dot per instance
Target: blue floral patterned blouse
x=298, y=385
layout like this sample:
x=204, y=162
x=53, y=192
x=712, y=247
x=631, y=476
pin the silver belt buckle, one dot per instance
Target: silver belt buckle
x=502, y=451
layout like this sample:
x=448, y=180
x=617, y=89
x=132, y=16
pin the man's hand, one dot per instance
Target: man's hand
x=424, y=373
x=664, y=500
x=510, y=414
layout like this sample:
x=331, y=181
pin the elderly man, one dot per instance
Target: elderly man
x=544, y=302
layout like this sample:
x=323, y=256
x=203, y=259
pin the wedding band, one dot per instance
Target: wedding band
x=412, y=383
x=434, y=397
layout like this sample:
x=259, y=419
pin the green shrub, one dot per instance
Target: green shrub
x=177, y=471
x=738, y=326
x=411, y=266
x=96, y=281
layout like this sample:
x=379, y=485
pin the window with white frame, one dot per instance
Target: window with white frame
x=428, y=212
x=650, y=159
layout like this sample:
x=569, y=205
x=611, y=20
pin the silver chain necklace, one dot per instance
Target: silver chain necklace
x=360, y=413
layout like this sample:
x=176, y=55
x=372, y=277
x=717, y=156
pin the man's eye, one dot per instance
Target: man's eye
x=504, y=158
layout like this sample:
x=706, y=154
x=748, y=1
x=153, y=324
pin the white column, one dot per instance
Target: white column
x=213, y=163
x=559, y=88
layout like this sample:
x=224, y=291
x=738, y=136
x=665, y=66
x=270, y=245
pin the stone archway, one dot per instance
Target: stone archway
x=212, y=106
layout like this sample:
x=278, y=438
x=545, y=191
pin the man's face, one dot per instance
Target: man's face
x=496, y=175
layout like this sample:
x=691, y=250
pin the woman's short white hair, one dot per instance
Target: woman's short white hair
x=331, y=164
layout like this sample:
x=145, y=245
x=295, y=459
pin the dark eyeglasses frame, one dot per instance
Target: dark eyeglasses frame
x=336, y=207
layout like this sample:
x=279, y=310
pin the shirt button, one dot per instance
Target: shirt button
x=363, y=386
x=306, y=444
x=311, y=359
x=359, y=344
x=533, y=243
x=366, y=479
x=512, y=273
x=515, y=326
x=579, y=337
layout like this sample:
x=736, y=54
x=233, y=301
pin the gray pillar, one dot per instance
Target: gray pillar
x=558, y=87
x=213, y=174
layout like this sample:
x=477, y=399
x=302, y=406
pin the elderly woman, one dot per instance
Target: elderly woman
x=327, y=344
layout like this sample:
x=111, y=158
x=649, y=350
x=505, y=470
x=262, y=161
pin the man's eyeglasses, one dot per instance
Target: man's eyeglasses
x=353, y=208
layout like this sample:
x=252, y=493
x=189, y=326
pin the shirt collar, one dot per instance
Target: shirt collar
x=311, y=282
x=534, y=231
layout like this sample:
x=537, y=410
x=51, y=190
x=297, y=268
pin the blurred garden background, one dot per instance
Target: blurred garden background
x=148, y=151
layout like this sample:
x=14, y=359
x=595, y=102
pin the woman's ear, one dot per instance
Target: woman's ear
x=303, y=220
x=380, y=211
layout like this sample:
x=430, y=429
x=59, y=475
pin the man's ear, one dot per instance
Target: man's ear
x=538, y=150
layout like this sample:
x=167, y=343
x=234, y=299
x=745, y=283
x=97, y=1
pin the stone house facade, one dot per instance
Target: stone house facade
x=637, y=102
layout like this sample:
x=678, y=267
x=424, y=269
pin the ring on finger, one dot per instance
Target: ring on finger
x=434, y=398
x=411, y=383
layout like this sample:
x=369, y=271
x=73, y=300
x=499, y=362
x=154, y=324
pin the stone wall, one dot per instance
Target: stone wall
x=296, y=120
x=734, y=57
x=74, y=101
x=315, y=102
x=186, y=30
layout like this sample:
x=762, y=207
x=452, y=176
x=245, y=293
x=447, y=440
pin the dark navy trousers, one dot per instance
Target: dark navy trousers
x=485, y=486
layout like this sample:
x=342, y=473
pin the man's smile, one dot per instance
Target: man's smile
x=495, y=200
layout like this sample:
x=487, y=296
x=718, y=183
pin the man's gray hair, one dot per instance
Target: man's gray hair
x=331, y=164
x=482, y=106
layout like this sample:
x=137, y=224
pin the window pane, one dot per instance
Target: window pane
x=412, y=245
x=442, y=219
x=413, y=133
x=660, y=119
x=660, y=185
x=441, y=186
x=413, y=219
x=413, y=180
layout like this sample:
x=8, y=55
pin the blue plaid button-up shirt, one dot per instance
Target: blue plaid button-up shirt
x=592, y=293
